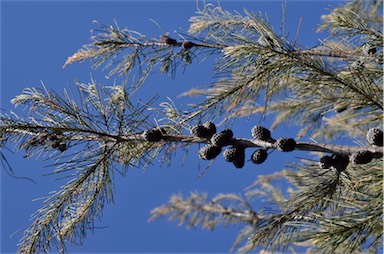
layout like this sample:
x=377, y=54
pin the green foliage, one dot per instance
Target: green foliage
x=105, y=126
x=339, y=89
x=331, y=90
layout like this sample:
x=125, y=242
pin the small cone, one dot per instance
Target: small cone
x=187, y=44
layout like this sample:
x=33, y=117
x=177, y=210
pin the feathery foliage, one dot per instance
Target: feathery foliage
x=331, y=90
x=104, y=124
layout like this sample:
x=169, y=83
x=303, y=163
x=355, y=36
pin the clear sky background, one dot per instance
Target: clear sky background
x=36, y=39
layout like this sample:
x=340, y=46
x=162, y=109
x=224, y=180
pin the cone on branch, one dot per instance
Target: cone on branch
x=340, y=162
x=239, y=161
x=153, y=135
x=285, y=144
x=259, y=156
x=375, y=137
x=223, y=138
x=187, y=44
x=210, y=129
x=209, y=152
x=197, y=131
x=261, y=133
x=231, y=154
x=167, y=40
x=362, y=157
x=326, y=162
x=203, y=131
x=257, y=72
x=62, y=147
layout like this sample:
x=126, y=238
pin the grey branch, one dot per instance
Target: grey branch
x=247, y=143
x=302, y=146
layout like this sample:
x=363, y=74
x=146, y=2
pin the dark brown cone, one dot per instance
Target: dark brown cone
x=325, y=162
x=153, y=135
x=340, y=162
x=375, y=137
x=240, y=158
x=259, y=156
x=231, y=154
x=261, y=133
x=62, y=147
x=285, y=144
x=187, y=44
x=223, y=138
x=210, y=129
x=198, y=131
x=363, y=157
x=167, y=40
x=209, y=152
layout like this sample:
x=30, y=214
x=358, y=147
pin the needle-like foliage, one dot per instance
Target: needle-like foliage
x=333, y=89
x=314, y=82
x=103, y=123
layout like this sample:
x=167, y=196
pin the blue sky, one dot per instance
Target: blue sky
x=36, y=39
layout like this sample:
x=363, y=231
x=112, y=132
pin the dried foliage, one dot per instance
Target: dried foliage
x=330, y=90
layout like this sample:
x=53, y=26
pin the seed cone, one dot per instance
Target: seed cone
x=187, y=44
x=209, y=152
x=223, y=138
x=240, y=158
x=259, y=156
x=375, y=137
x=153, y=135
x=285, y=144
x=167, y=40
x=228, y=132
x=210, y=129
x=261, y=133
x=363, y=157
x=198, y=131
x=325, y=162
x=62, y=147
x=231, y=154
x=340, y=162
